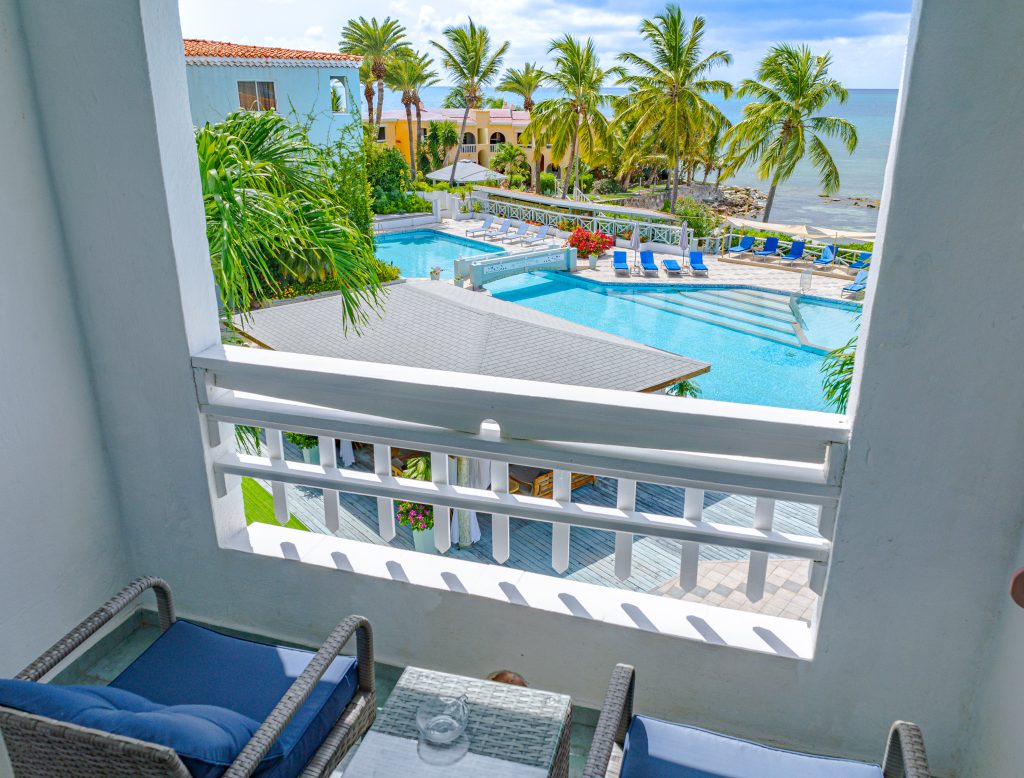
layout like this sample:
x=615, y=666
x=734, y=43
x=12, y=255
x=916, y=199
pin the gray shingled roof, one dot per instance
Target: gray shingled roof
x=437, y=325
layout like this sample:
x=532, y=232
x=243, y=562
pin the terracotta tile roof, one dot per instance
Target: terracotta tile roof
x=203, y=48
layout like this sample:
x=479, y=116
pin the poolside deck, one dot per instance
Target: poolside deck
x=591, y=554
x=765, y=275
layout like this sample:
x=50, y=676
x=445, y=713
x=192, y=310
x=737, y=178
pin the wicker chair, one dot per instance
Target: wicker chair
x=41, y=747
x=538, y=482
x=904, y=754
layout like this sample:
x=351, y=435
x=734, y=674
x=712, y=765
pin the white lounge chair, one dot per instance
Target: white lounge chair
x=518, y=235
x=484, y=227
x=541, y=235
x=501, y=232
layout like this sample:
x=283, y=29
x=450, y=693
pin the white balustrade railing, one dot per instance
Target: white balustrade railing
x=650, y=232
x=812, y=249
x=771, y=454
x=468, y=148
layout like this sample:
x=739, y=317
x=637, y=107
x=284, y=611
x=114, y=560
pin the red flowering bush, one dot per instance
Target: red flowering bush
x=589, y=243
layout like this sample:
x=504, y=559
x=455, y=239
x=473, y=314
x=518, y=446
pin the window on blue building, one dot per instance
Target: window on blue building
x=339, y=94
x=256, y=96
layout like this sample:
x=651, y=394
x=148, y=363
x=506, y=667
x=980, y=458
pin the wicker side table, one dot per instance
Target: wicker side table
x=512, y=732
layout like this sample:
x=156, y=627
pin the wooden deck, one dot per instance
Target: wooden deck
x=591, y=552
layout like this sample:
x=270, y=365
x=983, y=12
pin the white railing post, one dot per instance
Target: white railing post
x=328, y=459
x=442, y=513
x=757, y=568
x=625, y=500
x=562, y=492
x=385, y=506
x=275, y=449
x=689, y=555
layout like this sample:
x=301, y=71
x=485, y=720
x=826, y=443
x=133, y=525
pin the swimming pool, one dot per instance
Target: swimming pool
x=416, y=251
x=762, y=350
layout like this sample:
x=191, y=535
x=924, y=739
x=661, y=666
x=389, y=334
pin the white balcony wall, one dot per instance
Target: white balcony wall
x=931, y=508
x=61, y=548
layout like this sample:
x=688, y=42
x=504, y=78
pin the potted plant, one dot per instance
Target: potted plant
x=310, y=445
x=435, y=273
x=418, y=516
x=590, y=245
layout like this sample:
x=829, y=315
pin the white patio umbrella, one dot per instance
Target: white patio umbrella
x=634, y=241
x=466, y=172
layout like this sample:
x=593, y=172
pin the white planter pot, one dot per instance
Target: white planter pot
x=311, y=456
x=423, y=541
x=593, y=262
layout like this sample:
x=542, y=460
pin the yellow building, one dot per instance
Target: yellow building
x=486, y=129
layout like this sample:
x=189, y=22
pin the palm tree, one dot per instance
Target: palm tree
x=441, y=138
x=792, y=86
x=575, y=121
x=712, y=156
x=272, y=210
x=668, y=90
x=366, y=79
x=509, y=159
x=380, y=43
x=525, y=83
x=466, y=55
x=409, y=74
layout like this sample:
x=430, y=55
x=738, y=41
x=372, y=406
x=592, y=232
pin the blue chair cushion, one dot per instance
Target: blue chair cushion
x=660, y=749
x=192, y=665
x=207, y=738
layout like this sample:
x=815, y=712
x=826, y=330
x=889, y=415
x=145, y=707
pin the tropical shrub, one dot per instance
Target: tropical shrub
x=546, y=185
x=302, y=441
x=687, y=388
x=273, y=210
x=400, y=202
x=386, y=169
x=515, y=181
x=590, y=243
x=415, y=515
x=699, y=217
x=837, y=375
x=286, y=290
x=606, y=186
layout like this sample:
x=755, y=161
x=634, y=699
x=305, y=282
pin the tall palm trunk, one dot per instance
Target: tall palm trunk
x=380, y=99
x=675, y=157
x=771, y=198
x=458, y=146
x=419, y=128
x=572, y=155
x=536, y=169
x=407, y=102
x=368, y=94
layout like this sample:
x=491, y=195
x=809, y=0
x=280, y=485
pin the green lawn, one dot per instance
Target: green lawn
x=259, y=506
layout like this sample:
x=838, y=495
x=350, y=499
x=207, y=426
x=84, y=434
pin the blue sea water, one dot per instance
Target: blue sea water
x=872, y=111
x=416, y=251
x=744, y=368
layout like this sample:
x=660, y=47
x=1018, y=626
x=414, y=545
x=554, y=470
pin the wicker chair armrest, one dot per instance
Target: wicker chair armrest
x=60, y=650
x=904, y=754
x=249, y=758
x=616, y=713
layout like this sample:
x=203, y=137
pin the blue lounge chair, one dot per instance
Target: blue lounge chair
x=672, y=267
x=860, y=283
x=619, y=262
x=502, y=231
x=647, y=263
x=796, y=251
x=771, y=248
x=484, y=227
x=652, y=748
x=746, y=244
x=862, y=262
x=828, y=256
x=697, y=265
x=192, y=703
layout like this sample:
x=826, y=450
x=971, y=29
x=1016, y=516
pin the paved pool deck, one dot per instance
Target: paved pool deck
x=738, y=271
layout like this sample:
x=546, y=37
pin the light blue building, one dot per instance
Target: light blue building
x=317, y=85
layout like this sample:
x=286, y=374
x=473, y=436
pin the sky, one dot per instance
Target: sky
x=867, y=38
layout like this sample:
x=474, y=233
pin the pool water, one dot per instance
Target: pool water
x=416, y=251
x=751, y=337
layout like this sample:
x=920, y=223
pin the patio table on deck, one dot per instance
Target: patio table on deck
x=512, y=732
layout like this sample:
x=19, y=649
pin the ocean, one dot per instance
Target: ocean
x=797, y=201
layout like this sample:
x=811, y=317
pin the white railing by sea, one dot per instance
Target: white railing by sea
x=650, y=232
x=772, y=454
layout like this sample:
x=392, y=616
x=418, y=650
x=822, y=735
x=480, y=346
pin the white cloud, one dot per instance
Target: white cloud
x=314, y=31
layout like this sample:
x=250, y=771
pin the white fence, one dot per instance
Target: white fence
x=498, y=266
x=667, y=235
x=769, y=453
